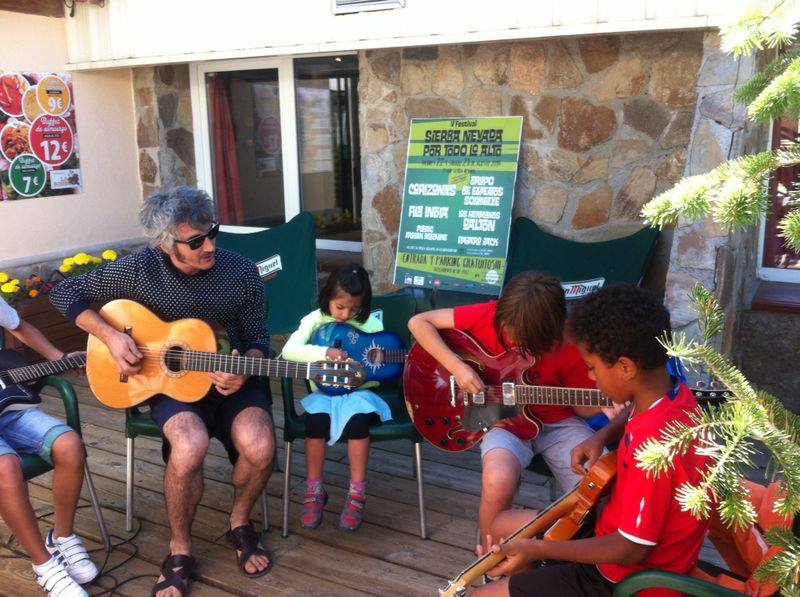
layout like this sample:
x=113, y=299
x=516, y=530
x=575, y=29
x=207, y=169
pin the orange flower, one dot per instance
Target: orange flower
x=33, y=293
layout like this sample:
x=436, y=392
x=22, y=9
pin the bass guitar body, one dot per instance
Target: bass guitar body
x=442, y=415
x=380, y=353
x=161, y=371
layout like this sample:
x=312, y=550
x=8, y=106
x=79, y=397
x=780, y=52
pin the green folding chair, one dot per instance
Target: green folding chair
x=33, y=465
x=397, y=310
x=287, y=256
x=623, y=259
x=654, y=579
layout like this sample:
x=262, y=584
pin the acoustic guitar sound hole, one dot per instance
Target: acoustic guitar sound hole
x=173, y=358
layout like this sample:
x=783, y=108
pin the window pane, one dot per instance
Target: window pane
x=327, y=130
x=244, y=111
x=776, y=254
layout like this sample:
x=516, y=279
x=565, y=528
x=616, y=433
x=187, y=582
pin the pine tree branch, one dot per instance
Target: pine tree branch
x=762, y=24
x=750, y=89
x=780, y=97
x=782, y=568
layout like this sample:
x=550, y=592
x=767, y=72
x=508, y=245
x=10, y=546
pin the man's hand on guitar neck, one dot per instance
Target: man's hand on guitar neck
x=228, y=383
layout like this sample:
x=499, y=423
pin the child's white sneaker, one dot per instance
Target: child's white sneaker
x=53, y=577
x=72, y=554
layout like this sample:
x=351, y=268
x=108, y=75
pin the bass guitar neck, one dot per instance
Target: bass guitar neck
x=14, y=369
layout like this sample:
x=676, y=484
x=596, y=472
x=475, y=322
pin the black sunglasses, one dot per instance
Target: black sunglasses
x=196, y=242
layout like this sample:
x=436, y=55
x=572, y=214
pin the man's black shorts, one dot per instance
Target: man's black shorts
x=216, y=411
x=560, y=580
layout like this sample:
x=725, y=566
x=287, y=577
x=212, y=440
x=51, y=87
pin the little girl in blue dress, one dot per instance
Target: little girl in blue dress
x=345, y=298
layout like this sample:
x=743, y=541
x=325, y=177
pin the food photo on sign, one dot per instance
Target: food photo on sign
x=38, y=141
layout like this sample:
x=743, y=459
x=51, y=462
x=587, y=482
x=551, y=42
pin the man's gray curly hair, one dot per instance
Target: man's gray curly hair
x=164, y=211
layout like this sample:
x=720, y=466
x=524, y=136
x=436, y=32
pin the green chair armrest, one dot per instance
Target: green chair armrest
x=68, y=397
x=294, y=425
x=644, y=579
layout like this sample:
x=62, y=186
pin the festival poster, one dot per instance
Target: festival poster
x=38, y=140
x=457, y=201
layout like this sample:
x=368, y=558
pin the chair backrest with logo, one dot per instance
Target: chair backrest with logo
x=286, y=258
x=581, y=266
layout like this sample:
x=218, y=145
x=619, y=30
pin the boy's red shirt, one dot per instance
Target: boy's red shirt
x=643, y=508
x=562, y=366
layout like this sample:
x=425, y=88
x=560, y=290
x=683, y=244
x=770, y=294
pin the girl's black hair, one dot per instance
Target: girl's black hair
x=352, y=279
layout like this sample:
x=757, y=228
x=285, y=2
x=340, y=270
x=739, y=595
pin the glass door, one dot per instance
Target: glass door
x=274, y=136
x=246, y=140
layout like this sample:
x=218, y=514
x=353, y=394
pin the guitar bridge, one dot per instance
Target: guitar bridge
x=123, y=378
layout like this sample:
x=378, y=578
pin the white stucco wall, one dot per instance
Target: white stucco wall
x=104, y=214
x=140, y=32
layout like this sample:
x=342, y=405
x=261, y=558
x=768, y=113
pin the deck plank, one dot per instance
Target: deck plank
x=386, y=556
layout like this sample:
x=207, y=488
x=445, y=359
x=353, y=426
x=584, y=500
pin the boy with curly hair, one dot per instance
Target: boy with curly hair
x=642, y=525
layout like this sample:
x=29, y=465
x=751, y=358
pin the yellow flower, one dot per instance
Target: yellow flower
x=69, y=261
x=3, y=277
x=8, y=287
x=81, y=259
x=109, y=255
x=95, y=259
x=33, y=293
x=64, y=268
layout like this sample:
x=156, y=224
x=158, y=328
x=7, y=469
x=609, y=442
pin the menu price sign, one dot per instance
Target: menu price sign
x=38, y=143
x=457, y=202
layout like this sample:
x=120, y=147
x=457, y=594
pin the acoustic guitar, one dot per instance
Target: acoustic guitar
x=179, y=355
x=455, y=420
x=382, y=354
x=558, y=522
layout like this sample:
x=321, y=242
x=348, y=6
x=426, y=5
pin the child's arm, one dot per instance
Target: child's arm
x=590, y=449
x=31, y=336
x=608, y=549
x=424, y=326
x=297, y=347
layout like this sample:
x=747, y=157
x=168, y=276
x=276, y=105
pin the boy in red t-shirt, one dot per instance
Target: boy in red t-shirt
x=642, y=525
x=528, y=317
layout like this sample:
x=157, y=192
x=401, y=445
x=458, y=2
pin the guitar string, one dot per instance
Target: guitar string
x=240, y=362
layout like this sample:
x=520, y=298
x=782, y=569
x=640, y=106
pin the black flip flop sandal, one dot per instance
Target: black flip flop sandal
x=247, y=542
x=178, y=579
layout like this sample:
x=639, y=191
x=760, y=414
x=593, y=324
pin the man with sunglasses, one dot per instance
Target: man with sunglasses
x=182, y=274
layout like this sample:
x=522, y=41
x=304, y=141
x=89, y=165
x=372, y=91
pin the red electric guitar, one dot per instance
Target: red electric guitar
x=454, y=420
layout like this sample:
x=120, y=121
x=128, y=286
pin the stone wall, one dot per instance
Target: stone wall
x=704, y=252
x=607, y=122
x=164, y=127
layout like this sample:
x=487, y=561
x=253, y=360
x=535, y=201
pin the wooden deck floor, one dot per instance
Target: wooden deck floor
x=385, y=557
